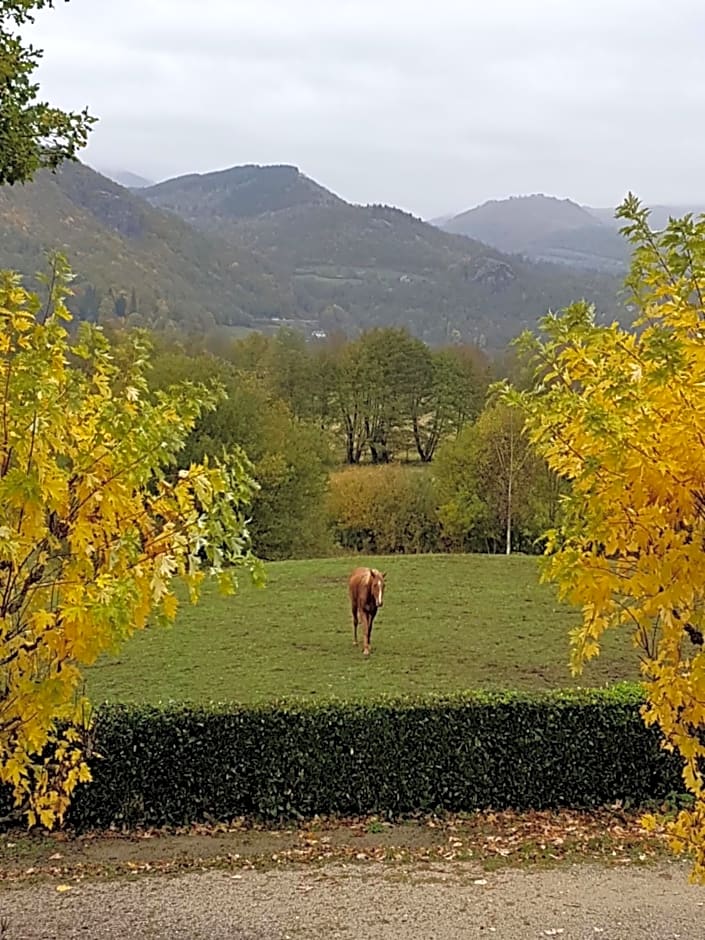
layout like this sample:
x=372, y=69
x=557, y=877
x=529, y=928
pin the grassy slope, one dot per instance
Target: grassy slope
x=448, y=623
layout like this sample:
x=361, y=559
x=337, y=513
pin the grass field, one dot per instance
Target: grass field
x=449, y=622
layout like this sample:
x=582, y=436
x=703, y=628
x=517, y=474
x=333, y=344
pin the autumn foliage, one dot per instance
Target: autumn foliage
x=384, y=509
x=94, y=526
x=621, y=415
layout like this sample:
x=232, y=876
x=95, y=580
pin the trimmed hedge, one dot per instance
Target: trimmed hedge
x=179, y=764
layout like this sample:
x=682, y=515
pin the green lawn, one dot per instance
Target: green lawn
x=449, y=622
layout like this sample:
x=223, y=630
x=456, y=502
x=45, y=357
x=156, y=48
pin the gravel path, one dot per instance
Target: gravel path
x=371, y=901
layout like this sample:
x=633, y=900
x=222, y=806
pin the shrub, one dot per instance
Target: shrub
x=384, y=510
x=176, y=765
x=290, y=457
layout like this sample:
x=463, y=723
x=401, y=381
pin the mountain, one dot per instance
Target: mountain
x=240, y=192
x=132, y=257
x=658, y=215
x=357, y=266
x=512, y=223
x=260, y=247
x=545, y=228
x=126, y=178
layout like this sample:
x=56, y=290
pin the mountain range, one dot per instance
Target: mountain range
x=544, y=228
x=126, y=178
x=256, y=247
x=128, y=255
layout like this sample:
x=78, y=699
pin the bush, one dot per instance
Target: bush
x=474, y=475
x=284, y=761
x=384, y=510
x=291, y=457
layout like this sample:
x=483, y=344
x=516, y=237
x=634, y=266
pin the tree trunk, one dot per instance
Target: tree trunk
x=508, y=544
x=349, y=442
x=510, y=480
x=420, y=449
x=379, y=452
x=353, y=450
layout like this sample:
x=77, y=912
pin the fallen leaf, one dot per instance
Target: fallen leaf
x=55, y=856
x=63, y=887
x=480, y=881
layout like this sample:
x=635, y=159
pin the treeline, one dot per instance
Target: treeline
x=378, y=444
x=486, y=491
x=383, y=396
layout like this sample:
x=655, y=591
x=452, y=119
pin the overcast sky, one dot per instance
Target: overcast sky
x=431, y=105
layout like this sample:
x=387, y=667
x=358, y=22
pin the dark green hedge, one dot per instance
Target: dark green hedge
x=180, y=764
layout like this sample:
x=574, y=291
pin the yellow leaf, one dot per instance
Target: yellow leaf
x=170, y=605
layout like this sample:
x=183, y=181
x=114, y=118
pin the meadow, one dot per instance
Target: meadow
x=449, y=622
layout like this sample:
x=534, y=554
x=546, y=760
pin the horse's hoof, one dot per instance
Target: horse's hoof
x=366, y=653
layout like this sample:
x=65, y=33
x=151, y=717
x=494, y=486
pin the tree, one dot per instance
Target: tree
x=510, y=457
x=447, y=398
x=292, y=371
x=95, y=524
x=395, y=372
x=343, y=364
x=495, y=494
x=621, y=414
x=290, y=457
x=376, y=381
x=290, y=461
x=32, y=133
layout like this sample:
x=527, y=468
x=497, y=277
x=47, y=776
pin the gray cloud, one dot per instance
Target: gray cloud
x=430, y=106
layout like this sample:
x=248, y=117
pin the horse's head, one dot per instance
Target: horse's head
x=377, y=586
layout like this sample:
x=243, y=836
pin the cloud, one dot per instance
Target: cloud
x=430, y=106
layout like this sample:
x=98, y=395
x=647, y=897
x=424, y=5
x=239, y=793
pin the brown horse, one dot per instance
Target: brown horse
x=366, y=587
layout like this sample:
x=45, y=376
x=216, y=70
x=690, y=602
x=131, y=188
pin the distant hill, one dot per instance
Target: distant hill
x=358, y=266
x=545, y=228
x=658, y=217
x=133, y=257
x=240, y=192
x=512, y=223
x=126, y=178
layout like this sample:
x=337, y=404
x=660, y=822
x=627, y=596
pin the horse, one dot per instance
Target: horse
x=366, y=588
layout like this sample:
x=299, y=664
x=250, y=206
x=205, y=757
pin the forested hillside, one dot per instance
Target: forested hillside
x=362, y=266
x=131, y=259
x=260, y=246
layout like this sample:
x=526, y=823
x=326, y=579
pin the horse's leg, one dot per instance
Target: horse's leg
x=370, y=621
x=367, y=623
x=355, y=618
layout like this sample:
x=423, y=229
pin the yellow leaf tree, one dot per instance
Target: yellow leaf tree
x=621, y=414
x=95, y=525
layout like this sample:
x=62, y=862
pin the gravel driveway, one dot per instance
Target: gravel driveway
x=367, y=901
